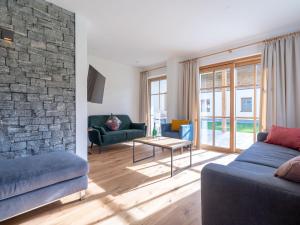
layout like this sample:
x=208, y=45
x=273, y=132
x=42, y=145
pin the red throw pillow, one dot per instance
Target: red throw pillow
x=287, y=137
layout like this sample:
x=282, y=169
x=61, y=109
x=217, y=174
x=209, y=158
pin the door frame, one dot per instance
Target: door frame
x=152, y=79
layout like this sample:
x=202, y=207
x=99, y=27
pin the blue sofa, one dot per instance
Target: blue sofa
x=31, y=182
x=246, y=192
x=185, y=132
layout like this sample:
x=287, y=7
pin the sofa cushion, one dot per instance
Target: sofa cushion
x=267, y=154
x=287, y=137
x=171, y=134
x=113, y=137
x=126, y=122
x=138, y=126
x=113, y=123
x=175, y=125
x=134, y=133
x=290, y=170
x=23, y=175
x=252, y=168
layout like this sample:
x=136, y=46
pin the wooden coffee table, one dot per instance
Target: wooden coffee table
x=165, y=143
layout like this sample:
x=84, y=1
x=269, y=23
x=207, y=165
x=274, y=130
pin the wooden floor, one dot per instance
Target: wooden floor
x=122, y=193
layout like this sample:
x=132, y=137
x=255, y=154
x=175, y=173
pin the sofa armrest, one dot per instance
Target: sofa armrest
x=231, y=196
x=139, y=126
x=165, y=127
x=186, y=132
x=100, y=129
x=262, y=136
x=94, y=136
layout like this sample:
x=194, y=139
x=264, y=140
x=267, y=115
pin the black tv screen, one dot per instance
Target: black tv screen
x=95, y=86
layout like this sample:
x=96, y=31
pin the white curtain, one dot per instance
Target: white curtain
x=189, y=95
x=144, y=113
x=280, y=88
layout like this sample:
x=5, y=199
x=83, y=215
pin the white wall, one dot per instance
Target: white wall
x=81, y=86
x=158, y=72
x=121, y=91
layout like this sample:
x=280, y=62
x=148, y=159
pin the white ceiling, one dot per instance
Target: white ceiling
x=147, y=32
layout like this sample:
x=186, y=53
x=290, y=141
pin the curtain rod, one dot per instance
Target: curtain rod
x=242, y=46
x=156, y=68
x=227, y=50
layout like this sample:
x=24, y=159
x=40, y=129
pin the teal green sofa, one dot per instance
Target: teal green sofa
x=100, y=135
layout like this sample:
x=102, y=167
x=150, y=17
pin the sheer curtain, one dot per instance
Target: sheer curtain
x=280, y=88
x=144, y=98
x=189, y=95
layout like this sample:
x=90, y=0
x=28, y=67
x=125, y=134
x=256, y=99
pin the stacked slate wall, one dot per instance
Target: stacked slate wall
x=37, y=79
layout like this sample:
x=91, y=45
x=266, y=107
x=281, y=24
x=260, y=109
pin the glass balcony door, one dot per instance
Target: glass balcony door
x=215, y=107
x=229, y=104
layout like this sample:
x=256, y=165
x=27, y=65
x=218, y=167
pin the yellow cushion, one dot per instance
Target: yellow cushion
x=175, y=125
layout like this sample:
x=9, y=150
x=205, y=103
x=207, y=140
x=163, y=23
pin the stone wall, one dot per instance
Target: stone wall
x=37, y=79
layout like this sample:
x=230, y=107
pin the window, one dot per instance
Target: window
x=158, y=101
x=247, y=94
x=205, y=105
x=246, y=104
x=229, y=100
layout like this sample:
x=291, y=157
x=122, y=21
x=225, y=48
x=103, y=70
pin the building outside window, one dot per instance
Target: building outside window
x=246, y=104
x=205, y=105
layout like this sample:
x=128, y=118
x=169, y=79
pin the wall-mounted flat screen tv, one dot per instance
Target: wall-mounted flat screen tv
x=95, y=86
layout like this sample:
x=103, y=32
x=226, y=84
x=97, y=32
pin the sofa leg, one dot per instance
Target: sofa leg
x=82, y=195
x=92, y=145
x=90, y=149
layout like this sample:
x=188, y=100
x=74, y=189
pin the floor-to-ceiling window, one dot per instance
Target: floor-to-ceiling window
x=229, y=104
x=247, y=96
x=158, y=101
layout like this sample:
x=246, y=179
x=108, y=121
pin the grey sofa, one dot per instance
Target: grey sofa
x=27, y=183
x=245, y=192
